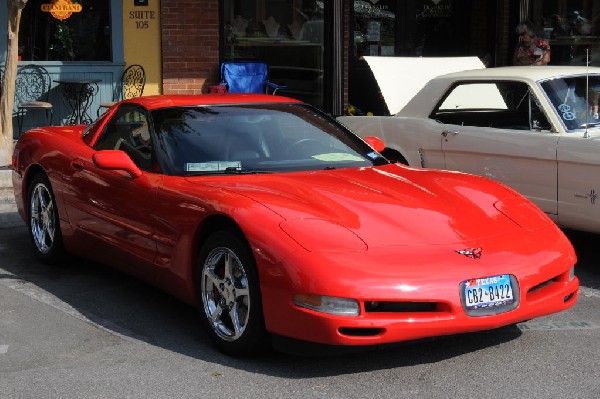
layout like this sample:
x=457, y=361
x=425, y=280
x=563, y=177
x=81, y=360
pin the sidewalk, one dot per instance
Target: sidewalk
x=8, y=209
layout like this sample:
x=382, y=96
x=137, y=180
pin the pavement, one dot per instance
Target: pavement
x=9, y=216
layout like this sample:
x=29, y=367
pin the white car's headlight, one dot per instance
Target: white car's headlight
x=328, y=304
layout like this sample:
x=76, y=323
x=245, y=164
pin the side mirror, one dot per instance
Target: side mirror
x=116, y=160
x=375, y=142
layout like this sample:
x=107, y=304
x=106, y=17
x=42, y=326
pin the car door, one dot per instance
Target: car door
x=110, y=210
x=498, y=130
x=579, y=180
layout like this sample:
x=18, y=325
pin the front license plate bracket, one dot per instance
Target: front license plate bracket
x=490, y=295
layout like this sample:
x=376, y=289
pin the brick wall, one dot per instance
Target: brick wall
x=190, y=45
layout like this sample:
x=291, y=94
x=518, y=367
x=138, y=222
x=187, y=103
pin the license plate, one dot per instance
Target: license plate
x=488, y=292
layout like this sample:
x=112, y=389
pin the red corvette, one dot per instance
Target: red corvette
x=276, y=221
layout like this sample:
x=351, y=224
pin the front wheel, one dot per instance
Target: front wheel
x=228, y=295
x=43, y=222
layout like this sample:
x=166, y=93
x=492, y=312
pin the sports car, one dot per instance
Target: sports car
x=277, y=222
x=536, y=130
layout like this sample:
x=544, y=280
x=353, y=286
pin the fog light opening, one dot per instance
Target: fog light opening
x=569, y=297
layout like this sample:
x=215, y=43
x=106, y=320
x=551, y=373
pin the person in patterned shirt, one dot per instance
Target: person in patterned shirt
x=530, y=50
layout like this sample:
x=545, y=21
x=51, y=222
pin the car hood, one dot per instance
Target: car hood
x=389, y=205
x=400, y=78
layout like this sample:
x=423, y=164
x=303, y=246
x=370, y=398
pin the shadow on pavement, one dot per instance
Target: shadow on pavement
x=134, y=310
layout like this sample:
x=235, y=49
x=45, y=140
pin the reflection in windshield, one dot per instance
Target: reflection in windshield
x=256, y=138
x=575, y=100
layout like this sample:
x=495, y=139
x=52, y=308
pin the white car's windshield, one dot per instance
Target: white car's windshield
x=575, y=100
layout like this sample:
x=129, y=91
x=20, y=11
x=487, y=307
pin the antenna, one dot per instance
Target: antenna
x=586, y=134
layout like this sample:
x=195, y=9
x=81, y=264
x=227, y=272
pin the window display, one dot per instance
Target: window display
x=288, y=35
x=81, y=34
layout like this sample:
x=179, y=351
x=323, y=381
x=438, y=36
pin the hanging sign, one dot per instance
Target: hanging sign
x=61, y=9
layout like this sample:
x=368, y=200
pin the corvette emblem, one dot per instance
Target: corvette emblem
x=474, y=253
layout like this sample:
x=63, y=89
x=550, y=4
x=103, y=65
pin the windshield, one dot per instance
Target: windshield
x=256, y=138
x=575, y=100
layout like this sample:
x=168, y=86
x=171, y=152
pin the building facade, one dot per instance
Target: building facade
x=314, y=47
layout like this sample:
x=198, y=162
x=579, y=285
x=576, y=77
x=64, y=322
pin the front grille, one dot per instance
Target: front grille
x=400, y=307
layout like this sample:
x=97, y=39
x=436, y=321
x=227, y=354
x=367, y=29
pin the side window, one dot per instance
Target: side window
x=474, y=97
x=501, y=105
x=129, y=131
x=539, y=120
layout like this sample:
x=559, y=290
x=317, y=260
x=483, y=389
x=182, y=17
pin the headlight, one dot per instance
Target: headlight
x=328, y=304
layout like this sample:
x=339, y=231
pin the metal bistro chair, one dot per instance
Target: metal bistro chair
x=132, y=85
x=32, y=88
x=247, y=77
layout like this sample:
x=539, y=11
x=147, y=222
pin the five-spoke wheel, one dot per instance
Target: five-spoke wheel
x=229, y=294
x=44, y=226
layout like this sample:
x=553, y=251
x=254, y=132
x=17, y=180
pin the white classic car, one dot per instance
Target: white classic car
x=535, y=129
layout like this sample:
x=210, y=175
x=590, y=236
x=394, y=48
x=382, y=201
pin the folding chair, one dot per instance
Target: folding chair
x=247, y=77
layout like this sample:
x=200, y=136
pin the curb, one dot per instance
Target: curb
x=5, y=176
x=9, y=217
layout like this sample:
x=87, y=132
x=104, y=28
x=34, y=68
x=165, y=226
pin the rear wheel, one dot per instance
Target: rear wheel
x=43, y=222
x=228, y=295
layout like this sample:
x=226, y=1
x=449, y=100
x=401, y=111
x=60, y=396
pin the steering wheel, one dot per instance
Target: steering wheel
x=297, y=147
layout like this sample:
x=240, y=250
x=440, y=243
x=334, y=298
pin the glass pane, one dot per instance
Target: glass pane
x=374, y=28
x=285, y=34
x=256, y=138
x=83, y=36
x=572, y=30
x=575, y=100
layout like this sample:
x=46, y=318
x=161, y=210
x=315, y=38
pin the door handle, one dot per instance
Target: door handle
x=78, y=164
x=446, y=133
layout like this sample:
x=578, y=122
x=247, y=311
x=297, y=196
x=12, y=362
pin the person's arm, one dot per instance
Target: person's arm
x=544, y=60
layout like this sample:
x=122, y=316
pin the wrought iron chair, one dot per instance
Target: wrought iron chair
x=32, y=88
x=132, y=85
x=247, y=77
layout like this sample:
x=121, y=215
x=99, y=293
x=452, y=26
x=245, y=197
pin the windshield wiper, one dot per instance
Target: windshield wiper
x=243, y=171
x=227, y=171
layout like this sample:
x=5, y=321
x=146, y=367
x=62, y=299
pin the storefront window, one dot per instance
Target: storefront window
x=573, y=29
x=374, y=28
x=374, y=34
x=288, y=35
x=47, y=34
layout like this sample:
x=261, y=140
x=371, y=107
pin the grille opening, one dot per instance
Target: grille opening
x=569, y=297
x=400, y=307
x=360, y=332
x=542, y=285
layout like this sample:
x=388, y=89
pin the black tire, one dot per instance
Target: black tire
x=394, y=156
x=228, y=295
x=43, y=221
